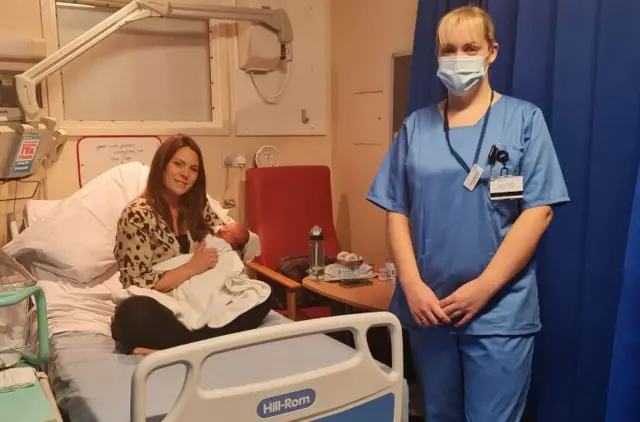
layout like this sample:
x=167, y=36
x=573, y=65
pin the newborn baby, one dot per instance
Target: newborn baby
x=217, y=296
x=235, y=234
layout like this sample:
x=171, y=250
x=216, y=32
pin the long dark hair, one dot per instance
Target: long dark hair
x=192, y=204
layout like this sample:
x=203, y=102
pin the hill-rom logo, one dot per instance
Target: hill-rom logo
x=286, y=403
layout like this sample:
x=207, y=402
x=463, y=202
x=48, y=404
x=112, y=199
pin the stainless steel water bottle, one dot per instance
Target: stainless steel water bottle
x=316, y=254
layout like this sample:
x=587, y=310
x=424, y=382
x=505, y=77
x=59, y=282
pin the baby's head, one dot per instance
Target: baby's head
x=235, y=234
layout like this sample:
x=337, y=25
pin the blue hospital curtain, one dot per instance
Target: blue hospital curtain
x=624, y=388
x=579, y=61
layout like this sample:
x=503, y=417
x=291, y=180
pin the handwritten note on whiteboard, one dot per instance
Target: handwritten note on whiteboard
x=98, y=154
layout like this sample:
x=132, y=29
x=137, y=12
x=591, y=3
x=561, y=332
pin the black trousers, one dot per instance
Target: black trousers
x=141, y=321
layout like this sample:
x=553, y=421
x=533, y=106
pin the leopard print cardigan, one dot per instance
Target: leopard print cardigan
x=144, y=240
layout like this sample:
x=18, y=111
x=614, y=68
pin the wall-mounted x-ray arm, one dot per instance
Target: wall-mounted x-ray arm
x=277, y=20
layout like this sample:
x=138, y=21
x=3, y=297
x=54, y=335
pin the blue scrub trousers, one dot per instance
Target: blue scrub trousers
x=468, y=378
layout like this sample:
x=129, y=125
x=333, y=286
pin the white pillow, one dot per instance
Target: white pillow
x=37, y=209
x=75, y=240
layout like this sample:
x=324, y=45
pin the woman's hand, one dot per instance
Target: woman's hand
x=204, y=259
x=467, y=301
x=425, y=306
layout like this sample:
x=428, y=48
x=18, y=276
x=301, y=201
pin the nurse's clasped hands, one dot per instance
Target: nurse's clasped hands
x=425, y=306
x=467, y=300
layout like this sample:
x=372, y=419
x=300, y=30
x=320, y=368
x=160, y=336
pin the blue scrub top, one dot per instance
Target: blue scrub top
x=456, y=232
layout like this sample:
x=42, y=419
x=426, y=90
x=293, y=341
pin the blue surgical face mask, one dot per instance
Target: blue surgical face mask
x=460, y=74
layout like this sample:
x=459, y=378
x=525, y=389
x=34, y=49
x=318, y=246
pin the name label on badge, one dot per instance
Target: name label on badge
x=473, y=177
x=507, y=187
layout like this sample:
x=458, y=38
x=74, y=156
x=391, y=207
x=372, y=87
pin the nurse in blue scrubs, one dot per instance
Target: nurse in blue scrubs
x=469, y=186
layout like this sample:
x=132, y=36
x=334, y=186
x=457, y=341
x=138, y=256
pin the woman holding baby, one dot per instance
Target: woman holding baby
x=172, y=217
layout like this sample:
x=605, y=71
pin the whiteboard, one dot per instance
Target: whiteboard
x=305, y=96
x=97, y=154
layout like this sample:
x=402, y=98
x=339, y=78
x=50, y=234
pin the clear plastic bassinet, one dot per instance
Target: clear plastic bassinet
x=12, y=275
x=16, y=286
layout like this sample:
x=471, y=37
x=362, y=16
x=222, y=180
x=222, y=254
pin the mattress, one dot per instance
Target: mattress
x=93, y=383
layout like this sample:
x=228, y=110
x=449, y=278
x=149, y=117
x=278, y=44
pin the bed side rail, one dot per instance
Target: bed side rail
x=12, y=226
x=299, y=397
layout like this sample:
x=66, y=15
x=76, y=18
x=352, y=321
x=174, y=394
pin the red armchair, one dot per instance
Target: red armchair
x=283, y=204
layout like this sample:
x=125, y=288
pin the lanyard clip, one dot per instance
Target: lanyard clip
x=496, y=154
x=493, y=154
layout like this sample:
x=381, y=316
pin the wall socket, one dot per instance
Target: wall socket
x=236, y=160
x=286, y=52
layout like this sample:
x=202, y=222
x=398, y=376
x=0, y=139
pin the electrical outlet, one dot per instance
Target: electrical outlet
x=236, y=160
x=286, y=52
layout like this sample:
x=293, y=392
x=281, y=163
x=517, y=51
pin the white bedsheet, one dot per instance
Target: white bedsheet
x=71, y=308
x=214, y=298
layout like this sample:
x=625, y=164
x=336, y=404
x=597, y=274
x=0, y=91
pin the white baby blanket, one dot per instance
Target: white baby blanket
x=213, y=298
x=17, y=378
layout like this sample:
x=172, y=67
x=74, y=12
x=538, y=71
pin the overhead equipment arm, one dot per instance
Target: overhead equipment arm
x=277, y=20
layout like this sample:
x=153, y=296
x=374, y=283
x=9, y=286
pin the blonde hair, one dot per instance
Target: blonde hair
x=473, y=17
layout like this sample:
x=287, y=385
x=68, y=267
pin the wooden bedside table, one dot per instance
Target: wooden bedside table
x=374, y=297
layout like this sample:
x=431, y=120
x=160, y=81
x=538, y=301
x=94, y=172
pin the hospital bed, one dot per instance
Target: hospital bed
x=283, y=371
